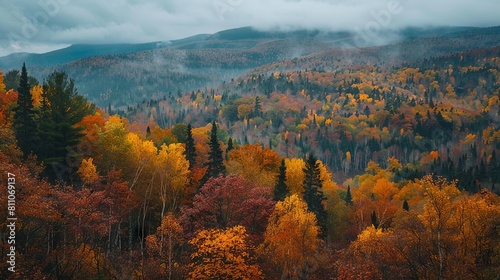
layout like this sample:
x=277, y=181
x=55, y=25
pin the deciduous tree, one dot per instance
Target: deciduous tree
x=229, y=201
x=223, y=254
x=291, y=238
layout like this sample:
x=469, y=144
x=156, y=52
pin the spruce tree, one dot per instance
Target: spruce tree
x=62, y=108
x=406, y=207
x=230, y=144
x=348, y=196
x=258, y=107
x=375, y=222
x=24, y=124
x=190, y=147
x=313, y=193
x=229, y=147
x=215, y=162
x=281, y=189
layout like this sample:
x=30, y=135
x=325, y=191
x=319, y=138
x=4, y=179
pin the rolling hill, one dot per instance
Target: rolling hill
x=122, y=74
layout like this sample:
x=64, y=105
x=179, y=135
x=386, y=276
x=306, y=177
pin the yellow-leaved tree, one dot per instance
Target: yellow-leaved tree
x=295, y=175
x=88, y=172
x=255, y=164
x=291, y=238
x=173, y=170
x=222, y=254
x=36, y=94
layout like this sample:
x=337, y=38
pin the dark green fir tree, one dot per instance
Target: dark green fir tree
x=229, y=148
x=62, y=108
x=190, y=147
x=406, y=207
x=281, y=189
x=215, y=164
x=313, y=193
x=257, y=108
x=24, y=123
x=348, y=196
x=374, y=218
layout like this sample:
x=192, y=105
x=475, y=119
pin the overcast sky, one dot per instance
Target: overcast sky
x=44, y=25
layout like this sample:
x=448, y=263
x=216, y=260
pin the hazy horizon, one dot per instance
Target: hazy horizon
x=53, y=24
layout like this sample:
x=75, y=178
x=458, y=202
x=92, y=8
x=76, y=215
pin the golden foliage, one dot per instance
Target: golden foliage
x=295, y=175
x=88, y=171
x=255, y=164
x=291, y=237
x=36, y=94
x=222, y=254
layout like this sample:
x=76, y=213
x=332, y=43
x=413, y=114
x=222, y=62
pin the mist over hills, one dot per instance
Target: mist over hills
x=124, y=74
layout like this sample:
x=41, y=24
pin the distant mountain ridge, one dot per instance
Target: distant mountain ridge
x=222, y=39
x=72, y=53
x=123, y=74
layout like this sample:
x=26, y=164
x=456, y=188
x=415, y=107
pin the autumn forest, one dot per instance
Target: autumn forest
x=341, y=164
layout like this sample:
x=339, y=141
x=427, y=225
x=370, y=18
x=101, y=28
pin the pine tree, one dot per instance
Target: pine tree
x=215, y=162
x=281, y=189
x=348, y=196
x=313, y=193
x=406, y=207
x=190, y=148
x=62, y=108
x=24, y=124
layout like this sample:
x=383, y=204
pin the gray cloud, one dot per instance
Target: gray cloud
x=42, y=25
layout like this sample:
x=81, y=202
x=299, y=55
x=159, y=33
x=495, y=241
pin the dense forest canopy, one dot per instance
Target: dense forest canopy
x=309, y=168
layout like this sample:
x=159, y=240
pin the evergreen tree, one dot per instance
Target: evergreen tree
x=230, y=144
x=375, y=222
x=367, y=111
x=190, y=147
x=281, y=189
x=24, y=124
x=406, y=207
x=62, y=108
x=215, y=162
x=258, y=107
x=313, y=193
x=483, y=173
x=12, y=80
x=229, y=148
x=493, y=167
x=348, y=196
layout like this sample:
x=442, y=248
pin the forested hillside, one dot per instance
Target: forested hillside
x=342, y=164
x=116, y=75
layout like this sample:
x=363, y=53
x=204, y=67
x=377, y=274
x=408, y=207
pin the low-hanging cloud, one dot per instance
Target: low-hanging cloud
x=47, y=24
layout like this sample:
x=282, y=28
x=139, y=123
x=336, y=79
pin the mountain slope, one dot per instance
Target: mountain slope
x=210, y=60
x=71, y=53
